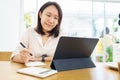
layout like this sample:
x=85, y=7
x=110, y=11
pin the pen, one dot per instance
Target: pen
x=24, y=47
x=44, y=72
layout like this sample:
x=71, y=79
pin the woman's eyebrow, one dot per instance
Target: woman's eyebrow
x=52, y=13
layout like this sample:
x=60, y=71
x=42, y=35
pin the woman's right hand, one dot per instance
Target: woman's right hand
x=23, y=56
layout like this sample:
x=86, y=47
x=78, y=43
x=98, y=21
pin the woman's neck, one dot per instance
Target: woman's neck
x=45, y=38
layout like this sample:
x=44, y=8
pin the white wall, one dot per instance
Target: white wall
x=10, y=12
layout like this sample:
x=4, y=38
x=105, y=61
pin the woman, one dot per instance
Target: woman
x=39, y=43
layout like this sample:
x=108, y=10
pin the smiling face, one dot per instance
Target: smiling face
x=49, y=18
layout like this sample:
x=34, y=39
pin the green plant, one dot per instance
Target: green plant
x=27, y=19
x=114, y=26
x=109, y=51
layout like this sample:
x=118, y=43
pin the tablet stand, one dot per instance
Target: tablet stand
x=71, y=64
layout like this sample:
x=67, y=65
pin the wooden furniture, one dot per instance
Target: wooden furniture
x=5, y=55
x=100, y=72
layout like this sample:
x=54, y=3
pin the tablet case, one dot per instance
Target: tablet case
x=73, y=53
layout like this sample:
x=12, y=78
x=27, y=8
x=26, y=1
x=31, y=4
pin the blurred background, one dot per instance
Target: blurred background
x=81, y=18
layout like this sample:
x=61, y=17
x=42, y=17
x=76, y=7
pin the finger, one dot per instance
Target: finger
x=25, y=57
x=26, y=52
x=32, y=58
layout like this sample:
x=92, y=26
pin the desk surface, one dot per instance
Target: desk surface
x=100, y=72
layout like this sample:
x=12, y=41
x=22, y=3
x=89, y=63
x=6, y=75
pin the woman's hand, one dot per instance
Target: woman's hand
x=25, y=55
x=47, y=59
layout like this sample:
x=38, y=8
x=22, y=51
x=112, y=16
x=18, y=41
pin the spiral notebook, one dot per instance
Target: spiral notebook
x=37, y=71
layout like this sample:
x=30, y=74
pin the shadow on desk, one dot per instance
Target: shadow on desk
x=5, y=56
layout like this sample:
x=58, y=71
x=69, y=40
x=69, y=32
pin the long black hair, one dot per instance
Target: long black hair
x=54, y=31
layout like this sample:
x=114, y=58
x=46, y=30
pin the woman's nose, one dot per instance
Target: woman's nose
x=51, y=19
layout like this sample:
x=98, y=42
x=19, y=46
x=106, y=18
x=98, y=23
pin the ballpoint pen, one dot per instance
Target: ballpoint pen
x=45, y=71
x=24, y=47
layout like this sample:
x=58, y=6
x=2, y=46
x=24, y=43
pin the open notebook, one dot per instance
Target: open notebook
x=37, y=71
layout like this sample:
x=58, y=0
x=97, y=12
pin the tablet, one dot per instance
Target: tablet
x=73, y=53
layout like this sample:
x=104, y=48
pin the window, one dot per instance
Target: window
x=29, y=13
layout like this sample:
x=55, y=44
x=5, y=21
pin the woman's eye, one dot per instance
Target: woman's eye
x=56, y=18
x=48, y=15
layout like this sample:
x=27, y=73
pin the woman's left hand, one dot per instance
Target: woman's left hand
x=47, y=59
